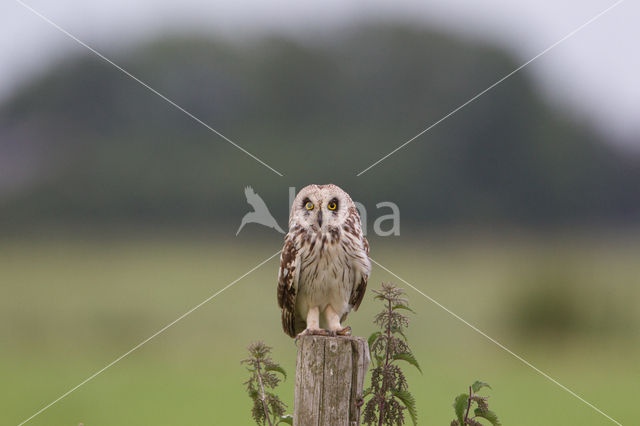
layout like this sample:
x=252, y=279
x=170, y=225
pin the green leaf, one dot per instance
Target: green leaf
x=379, y=359
x=477, y=385
x=408, y=401
x=288, y=419
x=408, y=356
x=276, y=368
x=399, y=331
x=460, y=405
x=489, y=415
x=401, y=306
x=373, y=338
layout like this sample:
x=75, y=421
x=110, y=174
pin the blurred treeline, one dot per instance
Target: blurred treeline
x=83, y=143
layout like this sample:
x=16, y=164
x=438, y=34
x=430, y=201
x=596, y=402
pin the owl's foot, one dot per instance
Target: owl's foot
x=346, y=331
x=340, y=332
x=312, y=332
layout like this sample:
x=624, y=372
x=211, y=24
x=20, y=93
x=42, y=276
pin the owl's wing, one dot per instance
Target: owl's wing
x=357, y=293
x=288, y=284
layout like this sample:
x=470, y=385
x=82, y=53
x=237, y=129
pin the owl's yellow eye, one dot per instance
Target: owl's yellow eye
x=332, y=205
x=309, y=205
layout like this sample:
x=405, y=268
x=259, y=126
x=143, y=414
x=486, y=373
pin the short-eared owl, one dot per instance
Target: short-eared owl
x=324, y=265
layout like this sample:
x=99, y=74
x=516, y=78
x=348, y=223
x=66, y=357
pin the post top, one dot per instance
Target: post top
x=315, y=337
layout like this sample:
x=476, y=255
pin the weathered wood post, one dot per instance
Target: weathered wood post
x=330, y=374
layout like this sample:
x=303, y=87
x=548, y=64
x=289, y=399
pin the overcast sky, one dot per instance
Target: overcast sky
x=596, y=71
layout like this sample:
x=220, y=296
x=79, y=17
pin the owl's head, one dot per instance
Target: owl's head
x=320, y=207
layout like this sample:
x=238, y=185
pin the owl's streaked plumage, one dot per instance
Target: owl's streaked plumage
x=324, y=265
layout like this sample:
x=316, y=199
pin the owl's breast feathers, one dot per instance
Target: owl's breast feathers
x=323, y=258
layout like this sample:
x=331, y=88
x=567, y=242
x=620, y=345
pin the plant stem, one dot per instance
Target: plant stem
x=466, y=415
x=386, y=363
x=262, y=395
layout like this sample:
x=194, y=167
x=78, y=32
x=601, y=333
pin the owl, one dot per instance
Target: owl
x=324, y=265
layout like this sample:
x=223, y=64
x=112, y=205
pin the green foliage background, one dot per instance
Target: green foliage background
x=69, y=308
x=93, y=146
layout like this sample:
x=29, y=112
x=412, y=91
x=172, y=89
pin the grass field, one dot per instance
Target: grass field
x=69, y=307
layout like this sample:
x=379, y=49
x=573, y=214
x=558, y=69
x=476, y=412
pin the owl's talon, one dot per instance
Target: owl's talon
x=299, y=335
x=344, y=332
x=312, y=332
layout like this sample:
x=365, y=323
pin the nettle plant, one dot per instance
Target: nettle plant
x=464, y=403
x=389, y=395
x=267, y=408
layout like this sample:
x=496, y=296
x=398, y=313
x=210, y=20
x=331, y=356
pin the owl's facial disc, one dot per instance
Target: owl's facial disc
x=321, y=208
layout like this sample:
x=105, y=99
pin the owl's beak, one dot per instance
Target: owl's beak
x=320, y=218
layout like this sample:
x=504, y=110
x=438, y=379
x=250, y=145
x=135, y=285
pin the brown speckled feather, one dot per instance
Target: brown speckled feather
x=288, y=284
x=358, y=290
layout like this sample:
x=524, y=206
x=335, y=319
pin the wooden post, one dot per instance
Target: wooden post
x=330, y=374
